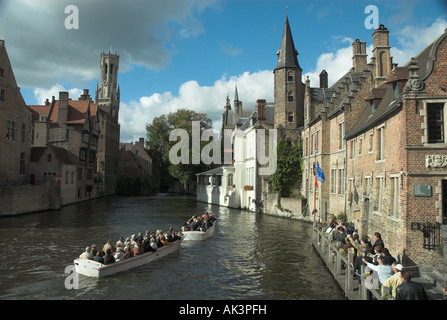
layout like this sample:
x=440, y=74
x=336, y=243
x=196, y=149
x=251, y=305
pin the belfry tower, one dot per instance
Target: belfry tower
x=107, y=94
x=107, y=97
x=288, y=86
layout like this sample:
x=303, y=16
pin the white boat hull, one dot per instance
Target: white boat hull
x=199, y=235
x=92, y=268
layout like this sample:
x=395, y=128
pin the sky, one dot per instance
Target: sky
x=192, y=53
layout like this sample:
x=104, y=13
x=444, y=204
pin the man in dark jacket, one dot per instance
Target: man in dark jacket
x=410, y=290
x=378, y=242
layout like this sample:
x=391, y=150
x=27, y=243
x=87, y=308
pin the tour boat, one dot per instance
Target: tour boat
x=199, y=235
x=92, y=268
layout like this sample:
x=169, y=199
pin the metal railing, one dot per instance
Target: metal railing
x=342, y=268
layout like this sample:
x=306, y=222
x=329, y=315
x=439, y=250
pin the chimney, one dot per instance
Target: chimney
x=62, y=114
x=381, y=53
x=85, y=95
x=261, y=111
x=323, y=79
x=359, y=56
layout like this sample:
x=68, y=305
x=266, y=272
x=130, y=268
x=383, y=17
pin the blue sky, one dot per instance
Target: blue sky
x=192, y=53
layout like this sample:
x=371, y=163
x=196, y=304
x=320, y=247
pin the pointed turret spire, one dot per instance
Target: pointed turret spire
x=287, y=54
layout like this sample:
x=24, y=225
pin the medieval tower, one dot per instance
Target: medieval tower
x=288, y=88
x=107, y=97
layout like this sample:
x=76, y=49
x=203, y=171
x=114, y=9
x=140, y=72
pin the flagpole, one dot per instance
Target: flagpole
x=315, y=189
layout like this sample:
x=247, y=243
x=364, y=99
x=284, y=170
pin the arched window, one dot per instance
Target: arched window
x=111, y=68
x=105, y=68
x=382, y=58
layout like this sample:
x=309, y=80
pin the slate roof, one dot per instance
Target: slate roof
x=287, y=54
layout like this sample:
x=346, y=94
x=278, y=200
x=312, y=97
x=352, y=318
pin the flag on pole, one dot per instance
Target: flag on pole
x=319, y=174
x=315, y=178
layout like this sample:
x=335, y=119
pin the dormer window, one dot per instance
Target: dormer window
x=395, y=89
x=372, y=106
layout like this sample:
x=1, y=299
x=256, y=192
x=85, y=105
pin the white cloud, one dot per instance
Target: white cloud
x=144, y=32
x=411, y=41
x=42, y=94
x=205, y=99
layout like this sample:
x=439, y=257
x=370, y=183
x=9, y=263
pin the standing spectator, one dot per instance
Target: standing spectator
x=340, y=237
x=378, y=242
x=395, y=280
x=410, y=290
x=383, y=270
x=389, y=258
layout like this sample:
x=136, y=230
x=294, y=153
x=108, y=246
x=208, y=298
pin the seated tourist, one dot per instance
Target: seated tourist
x=94, y=251
x=120, y=243
x=99, y=257
x=108, y=245
x=138, y=249
x=147, y=245
x=128, y=251
x=87, y=254
x=108, y=257
x=119, y=255
x=153, y=242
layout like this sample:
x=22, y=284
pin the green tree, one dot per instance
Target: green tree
x=288, y=168
x=159, y=144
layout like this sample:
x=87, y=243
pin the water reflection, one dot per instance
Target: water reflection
x=251, y=256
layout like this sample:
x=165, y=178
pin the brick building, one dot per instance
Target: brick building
x=134, y=163
x=378, y=134
x=15, y=127
x=85, y=128
x=73, y=126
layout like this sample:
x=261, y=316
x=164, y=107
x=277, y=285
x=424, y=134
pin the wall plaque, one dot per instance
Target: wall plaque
x=422, y=191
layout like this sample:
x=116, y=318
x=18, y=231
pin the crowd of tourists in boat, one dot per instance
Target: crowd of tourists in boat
x=197, y=223
x=130, y=247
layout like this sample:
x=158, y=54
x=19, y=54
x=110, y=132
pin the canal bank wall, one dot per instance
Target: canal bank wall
x=17, y=200
x=293, y=208
x=340, y=264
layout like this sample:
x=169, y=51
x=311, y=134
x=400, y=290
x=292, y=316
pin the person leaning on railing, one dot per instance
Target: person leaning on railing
x=362, y=250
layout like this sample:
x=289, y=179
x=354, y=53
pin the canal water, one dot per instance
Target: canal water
x=251, y=256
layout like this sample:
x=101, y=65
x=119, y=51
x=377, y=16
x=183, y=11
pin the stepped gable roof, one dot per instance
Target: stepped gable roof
x=76, y=114
x=287, y=54
x=389, y=104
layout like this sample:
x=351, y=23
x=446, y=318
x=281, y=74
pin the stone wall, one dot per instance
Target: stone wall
x=289, y=207
x=26, y=199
